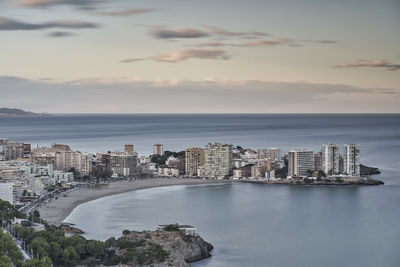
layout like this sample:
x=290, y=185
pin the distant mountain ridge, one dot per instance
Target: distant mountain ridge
x=18, y=112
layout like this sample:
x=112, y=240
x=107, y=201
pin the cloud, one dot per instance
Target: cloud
x=203, y=96
x=60, y=34
x=84, y=4
x=260, y=43
x=220, y=31
x=375, y=63
x=219, y=44
x=164, y=33
x=7, y=24
x=192, y=53
x=127, y=12
x=132, y=60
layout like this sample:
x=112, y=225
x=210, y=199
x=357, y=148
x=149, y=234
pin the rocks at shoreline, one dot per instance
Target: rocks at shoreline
x=163, y=248
x=311, y=182
x=365, y=170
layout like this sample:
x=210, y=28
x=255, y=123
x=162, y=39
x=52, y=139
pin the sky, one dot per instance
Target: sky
x=192, y=56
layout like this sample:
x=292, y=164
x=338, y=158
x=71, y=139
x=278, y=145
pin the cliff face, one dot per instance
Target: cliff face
x=180, y=249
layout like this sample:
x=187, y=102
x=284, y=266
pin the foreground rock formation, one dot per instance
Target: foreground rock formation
x=162, y=248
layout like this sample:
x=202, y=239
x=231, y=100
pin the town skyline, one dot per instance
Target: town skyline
x=100, y=56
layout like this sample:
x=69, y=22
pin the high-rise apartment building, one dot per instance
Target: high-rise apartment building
x=218, y=160
x=330, y=159
x=158, y=149
x=270, y=153
x=318, y=161
x=300, y=162
x=129, y=149
x=14, y=150
x=194, y=158
x=351, y=160
x=66, y=160
x=123, y=164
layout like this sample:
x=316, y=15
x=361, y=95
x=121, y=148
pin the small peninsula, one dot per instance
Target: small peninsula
x=14, y=112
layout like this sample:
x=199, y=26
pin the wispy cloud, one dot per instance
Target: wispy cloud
x=260, y=43
x=132, y=60
x=127, y=12
x=60, y=34
x=375, y=63
x=169, y=33
x=85, y=4
x=192, y=53
x=7, y=24
x=219, y=31
x=164, y=33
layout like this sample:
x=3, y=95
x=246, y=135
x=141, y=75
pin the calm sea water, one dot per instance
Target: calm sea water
x=250, y=225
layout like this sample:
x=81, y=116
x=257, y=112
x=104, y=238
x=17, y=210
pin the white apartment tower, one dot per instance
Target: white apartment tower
x=300, y=162
x=7, y=192
x=351, y=160
x=218, y=160
x=330, y=159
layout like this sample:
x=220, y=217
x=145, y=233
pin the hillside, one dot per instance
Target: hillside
x=18, y=112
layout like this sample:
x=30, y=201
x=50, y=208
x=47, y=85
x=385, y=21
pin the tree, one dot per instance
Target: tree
x=36, y=216
x=70, y=257
x=95, y=248
x=321, y=173
x=44, y=262
x=24, y=193
x=309, y=172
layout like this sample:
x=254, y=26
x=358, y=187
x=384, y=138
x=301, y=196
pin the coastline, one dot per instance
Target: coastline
x=56, y=211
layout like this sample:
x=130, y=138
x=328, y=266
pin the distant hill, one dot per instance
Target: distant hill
x=18, y=112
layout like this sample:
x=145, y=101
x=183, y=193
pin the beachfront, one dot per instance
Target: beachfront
x=57, y=210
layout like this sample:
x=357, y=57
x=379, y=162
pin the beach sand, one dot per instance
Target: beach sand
x=57, y=211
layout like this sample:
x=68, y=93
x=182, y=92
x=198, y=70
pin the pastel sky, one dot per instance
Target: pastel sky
x=125, y=56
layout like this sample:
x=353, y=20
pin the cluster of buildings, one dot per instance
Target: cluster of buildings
x=34, y=170
x=329, y=160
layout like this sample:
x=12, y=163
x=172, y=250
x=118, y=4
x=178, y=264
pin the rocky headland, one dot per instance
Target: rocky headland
x=161, y=248
x=322, y=181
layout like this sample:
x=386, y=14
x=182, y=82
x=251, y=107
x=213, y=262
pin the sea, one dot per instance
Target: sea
x=248, y=224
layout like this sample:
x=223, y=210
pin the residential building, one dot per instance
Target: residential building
x=218, y=160
x=123, y=164
x=129, y=149
x=165, y=170
x=68, y=159
x=318, y=161
x=351, y=160
x=270, y=153
x=194, y=158
x=158, y=149
x=14, y=150
x=7, y=192
x=330, y=159
x=300, y=162
x=60, y=147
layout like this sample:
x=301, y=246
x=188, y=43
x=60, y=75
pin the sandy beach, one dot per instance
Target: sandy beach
x=57, y=210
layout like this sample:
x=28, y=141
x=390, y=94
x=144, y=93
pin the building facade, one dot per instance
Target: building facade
x=330, y=159
x=351, y=160
x=123, y=164
x=218, y=160
x=270, y=153
x=300, y=162
x=194, y=158
x=158, y=149
x=7, y=192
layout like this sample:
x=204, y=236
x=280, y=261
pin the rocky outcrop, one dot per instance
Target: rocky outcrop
x=365, y=170
x=180, y=249
x=323, y=181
